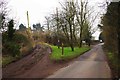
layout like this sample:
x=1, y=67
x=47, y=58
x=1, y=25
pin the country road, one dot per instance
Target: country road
x=92, y=64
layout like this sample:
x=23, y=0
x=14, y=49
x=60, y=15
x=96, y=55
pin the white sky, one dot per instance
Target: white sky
x=38, y=9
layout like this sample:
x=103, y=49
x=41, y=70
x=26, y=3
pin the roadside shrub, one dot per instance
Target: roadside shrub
x=4, y=37
x=19, y=45
x=12, y=48
x=38, y=36
x=53, y=37
x=114, y=64
x=20, y=39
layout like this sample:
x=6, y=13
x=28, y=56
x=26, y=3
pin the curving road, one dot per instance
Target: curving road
x=92, y=64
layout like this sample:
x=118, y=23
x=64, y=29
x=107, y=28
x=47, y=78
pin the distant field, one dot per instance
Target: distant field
x=68, y=54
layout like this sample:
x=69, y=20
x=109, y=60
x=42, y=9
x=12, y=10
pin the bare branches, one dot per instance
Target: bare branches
x=75, y=20
x=3, y=14
x=48, y=22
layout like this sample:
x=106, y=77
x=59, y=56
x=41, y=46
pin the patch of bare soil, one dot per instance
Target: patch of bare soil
x=35, y=65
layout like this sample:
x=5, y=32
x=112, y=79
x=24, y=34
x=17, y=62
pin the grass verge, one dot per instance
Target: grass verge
x=113, y=62
x=68, y=54
x=8, y=59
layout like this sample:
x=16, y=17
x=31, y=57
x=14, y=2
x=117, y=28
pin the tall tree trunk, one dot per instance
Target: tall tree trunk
x=80, y=40
x=81, y=25
x=72, y=47
x=71, y=36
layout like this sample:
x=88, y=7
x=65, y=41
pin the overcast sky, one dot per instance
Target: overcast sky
x=38, y=9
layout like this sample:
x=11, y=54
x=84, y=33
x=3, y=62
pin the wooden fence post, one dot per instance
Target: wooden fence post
x=62, y=48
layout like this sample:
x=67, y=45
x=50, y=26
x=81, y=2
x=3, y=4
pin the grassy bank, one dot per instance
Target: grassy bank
x=114, y=65
x=7, y=59
x=12, y=50
x=68, y=54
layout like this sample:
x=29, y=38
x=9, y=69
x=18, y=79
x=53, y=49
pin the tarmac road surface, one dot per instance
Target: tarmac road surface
x=92, y=64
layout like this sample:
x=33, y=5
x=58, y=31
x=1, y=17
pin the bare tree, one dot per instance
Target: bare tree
x=48, y=20
x=85, y=20
x=74, y=20
x=3, y=14
x=68, y=24
x=81, y=17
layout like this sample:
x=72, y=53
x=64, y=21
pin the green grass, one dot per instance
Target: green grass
x=68, y=54
x=6, y=60
x=114, y=63
x=113, y=60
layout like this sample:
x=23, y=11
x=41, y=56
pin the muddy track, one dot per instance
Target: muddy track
x=35, y=65
x=25, y=63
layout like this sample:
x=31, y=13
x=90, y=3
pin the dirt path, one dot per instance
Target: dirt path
x=92, y=64
x=35, y=65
